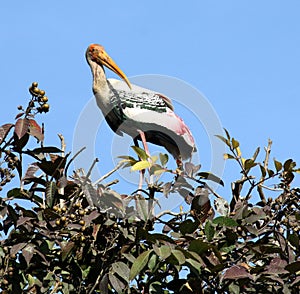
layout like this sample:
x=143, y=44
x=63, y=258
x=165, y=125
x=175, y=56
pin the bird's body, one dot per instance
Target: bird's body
x=132, y=109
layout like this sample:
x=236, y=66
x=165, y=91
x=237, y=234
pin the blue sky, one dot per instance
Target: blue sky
x=242, y=55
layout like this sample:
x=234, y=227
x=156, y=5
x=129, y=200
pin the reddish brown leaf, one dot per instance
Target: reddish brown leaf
x=53, y=168
x=96, y=228
x=54, y=157
x=21, y=127
x=66, y=249
x=19, y=115
x=35, y=130
x=90, y=217
x=277, y=266
x=28, y=252
x=201, y=207
x=31, y=170
x=166, y=229
x=237, y=272
x=16, y=248
x=4, y=130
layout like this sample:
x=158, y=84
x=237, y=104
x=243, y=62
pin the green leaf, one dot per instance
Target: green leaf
x=152, y=262
x=289, y=165
x=199, y=246
x=121, y=269
x=157, y=170
x=141, y=153
x=225, y=221
x=235, y=144
x=163, y=158
x=194, y=265
x=116, y=283
x=227, y=134
x=153, y=159
x=227, y=142
x=129, y=257
x=228, y=249
x=270, y=172
x=234, y=289
x=50, y=192
x=140, y=165
x=262, y=170
x=127, y=161
x=18, y=193
x=209, y=231
x=164, y=251
x=228, y=156
x=142, y=208
x=179, y=256
x=211, y=177
x=86, y=272
x=255, y=153
x=139, y=264
x=188, y=227
x=30, y=280
x=249, y=163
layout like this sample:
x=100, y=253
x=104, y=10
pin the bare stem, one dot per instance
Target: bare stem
x=63, y=144
x=108, y=174
x=169, y=212
x=262, y=179
x=61, y=190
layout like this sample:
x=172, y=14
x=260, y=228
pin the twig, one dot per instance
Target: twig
x=61, y=190
x=55, y=288
x=272, y=189
x=206, y=186
x=63, y=144
x=116, y=181
x=262, y=179
x=97, y=282
x=108, y=174
x=71, y=160
x=90, y=170
x=169, y=212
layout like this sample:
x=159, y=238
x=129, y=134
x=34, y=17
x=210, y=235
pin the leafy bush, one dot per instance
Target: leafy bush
x=76, y=236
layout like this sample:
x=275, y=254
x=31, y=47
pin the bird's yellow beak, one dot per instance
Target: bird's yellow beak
x=101, y=57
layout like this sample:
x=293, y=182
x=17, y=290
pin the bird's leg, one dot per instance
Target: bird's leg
x=142, y=135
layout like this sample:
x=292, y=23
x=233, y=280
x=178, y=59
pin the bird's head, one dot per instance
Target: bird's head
x=96, y=54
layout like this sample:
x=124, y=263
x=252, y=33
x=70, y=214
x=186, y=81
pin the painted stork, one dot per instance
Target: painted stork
x=141, y=113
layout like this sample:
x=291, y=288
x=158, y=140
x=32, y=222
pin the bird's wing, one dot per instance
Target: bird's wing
x=151, y=112
x=141, y=97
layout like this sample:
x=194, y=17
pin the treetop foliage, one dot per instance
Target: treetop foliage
x=80, y=236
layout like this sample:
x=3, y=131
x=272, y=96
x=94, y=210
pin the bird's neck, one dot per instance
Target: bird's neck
x=101, y=89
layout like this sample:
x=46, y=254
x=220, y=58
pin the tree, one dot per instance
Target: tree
x=76, y=236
